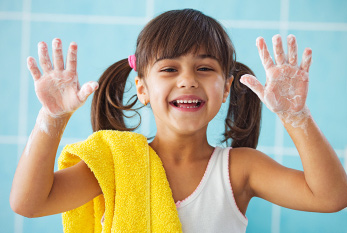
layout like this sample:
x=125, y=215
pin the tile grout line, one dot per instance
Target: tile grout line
x=149, y=9
x=279, y=129
x=345, y=157
x=273, y=24
x=114, y=20
x=278, y=156
x=287, y=151
x=145, y=125
x=345, y=165
x=23, y=94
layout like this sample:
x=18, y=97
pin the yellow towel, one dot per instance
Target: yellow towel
x=136, y=193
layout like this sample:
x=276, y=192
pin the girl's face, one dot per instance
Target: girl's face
x=185, y=93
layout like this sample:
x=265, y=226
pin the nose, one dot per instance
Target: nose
x=187, y=79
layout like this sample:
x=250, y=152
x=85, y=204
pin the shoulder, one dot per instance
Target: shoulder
x=246, y=155
x=243, y=163
x=255, y=166
x=240, y=159
x=250, y=160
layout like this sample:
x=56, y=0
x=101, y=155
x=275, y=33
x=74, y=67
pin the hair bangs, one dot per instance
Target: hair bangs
x=176, y=33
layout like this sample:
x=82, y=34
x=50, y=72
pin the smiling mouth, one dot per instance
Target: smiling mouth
x=187, y=103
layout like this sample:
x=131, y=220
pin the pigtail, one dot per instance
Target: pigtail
x=242, y=124
x=107, y=105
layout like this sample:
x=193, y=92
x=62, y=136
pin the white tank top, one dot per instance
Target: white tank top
x=212, y=207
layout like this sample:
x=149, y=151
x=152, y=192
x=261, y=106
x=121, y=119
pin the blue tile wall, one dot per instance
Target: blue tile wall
x=7, y=168
x=15, y=5
x=10, y=47
x=103, y=40
x=90, y=7
x=221, y=9
x=318, y=11
x=259, y=215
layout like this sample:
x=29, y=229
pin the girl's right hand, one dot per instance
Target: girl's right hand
x=57, y=88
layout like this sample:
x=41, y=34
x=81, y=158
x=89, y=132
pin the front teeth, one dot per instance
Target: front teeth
x=187, y=101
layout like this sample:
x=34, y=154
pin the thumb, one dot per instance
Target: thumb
x=253, y=83
x=87, y=89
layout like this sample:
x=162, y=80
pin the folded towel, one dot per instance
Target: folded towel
x=136, y=193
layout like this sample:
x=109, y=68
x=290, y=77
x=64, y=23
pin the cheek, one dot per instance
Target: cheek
x=217, y=90
x=158, y=92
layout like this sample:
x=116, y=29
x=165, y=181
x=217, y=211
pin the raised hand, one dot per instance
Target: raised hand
x=57, y=88
x=286, y=86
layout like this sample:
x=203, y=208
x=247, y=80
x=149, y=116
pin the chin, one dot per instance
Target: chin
x=189, y=129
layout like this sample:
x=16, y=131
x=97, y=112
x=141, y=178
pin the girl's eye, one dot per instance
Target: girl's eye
x=204, y=69
x=168, y=70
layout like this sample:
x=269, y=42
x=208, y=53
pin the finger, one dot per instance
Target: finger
x=292, y=50
x=86, y=90
x=280, y=56
x=71, y=61
x=44, y=59
x=253, y=83
x=34, y=70
x=58, y=61
x=306, y=60
x=264, y=53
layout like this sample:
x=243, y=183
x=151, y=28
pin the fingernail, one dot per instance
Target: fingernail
x=30, y=62
x=291, y=38
x=94, y=85
x=41, y=44
x=73, y=45
x=56, y=43
x=258, y=42
x=308, y=51
x=276, y=39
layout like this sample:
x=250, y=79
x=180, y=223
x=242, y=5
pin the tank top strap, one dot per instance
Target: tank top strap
x=225, y=169
x=204, y=180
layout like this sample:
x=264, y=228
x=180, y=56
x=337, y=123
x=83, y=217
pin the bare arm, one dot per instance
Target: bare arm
x=36, y=189
x=322, y=187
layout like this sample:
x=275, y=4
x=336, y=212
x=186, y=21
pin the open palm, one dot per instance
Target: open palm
x=286, y=84
x=57, y=88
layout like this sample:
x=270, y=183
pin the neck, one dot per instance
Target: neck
x=181, y=149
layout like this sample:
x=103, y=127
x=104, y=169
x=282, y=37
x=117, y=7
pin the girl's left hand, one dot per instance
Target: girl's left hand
x=286, y=86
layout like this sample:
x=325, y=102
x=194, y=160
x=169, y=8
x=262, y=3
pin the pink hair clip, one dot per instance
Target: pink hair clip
x=132, y=61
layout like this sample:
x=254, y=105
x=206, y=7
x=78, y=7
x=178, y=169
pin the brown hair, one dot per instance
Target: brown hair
x=169, y=35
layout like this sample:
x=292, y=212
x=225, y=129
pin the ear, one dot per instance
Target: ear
x=227, y=86
x=141, y=90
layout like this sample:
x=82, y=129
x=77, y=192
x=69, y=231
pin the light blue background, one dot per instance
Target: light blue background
x=106, y=31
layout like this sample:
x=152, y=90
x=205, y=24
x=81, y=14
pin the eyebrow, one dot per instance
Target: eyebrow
x=200, y=56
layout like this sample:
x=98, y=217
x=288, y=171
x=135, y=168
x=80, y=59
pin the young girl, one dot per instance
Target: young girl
x=186, y=69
